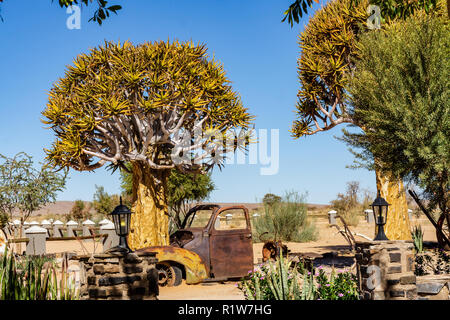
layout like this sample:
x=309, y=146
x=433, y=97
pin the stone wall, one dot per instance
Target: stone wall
x=119, y=277
x=386, y=270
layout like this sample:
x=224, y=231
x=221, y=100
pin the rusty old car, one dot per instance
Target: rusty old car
x=214, y=243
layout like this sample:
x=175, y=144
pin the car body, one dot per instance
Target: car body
x=218, y=249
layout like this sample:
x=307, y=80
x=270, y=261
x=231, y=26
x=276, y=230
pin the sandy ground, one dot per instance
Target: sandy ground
x=329, y=241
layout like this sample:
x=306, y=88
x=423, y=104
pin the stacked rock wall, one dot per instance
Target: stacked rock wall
x=119, y=277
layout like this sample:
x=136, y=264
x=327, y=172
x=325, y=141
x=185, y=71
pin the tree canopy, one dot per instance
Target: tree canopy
x=399, y=91
x=125, y=103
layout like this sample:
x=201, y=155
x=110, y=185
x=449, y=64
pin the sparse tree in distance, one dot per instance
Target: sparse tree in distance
x=270, y=199
x=103, y=203
x=25, y=189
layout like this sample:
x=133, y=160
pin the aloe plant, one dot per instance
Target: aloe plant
x=417, y=235
x=33, y=279
x=309, y=288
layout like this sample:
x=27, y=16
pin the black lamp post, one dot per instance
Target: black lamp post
x=121, y=218
x=380, y=209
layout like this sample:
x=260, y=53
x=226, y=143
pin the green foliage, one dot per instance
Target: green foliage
x=340, y=287
x=100, y=14
x=296, y=10
x=34, y=279
x=408, y=124
x=286, y=220
x=390, y=9
x=270, y=199
x=417, y=236
x=401, y=9
x=273, y=281
x=185, y=188
x=25, y=188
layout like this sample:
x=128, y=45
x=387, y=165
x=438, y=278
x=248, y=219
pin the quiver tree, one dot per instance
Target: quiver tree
x=328, y=45
x=145, y=105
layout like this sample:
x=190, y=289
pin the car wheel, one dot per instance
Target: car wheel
x=168, y=275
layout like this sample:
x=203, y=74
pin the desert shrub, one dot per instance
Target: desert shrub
x=285, y=220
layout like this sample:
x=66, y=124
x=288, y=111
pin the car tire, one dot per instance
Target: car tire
x=169, y=275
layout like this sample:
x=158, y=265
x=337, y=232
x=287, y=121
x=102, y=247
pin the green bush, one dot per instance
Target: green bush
x=285, y=220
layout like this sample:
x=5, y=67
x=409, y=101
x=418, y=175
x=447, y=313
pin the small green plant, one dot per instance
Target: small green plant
x=417, y=235
x=342, y=286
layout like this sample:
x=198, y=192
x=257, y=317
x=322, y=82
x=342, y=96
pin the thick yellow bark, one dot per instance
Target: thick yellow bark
x=391, y=189
x=149, y=221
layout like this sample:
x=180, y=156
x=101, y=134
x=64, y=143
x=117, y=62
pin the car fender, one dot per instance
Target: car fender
x=193, y=264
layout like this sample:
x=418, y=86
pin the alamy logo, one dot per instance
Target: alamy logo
x=375, y=277
x=374, y=21
x=74, y=20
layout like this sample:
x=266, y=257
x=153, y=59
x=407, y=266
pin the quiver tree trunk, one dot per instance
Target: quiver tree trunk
x=391, y=189
x=149, y=221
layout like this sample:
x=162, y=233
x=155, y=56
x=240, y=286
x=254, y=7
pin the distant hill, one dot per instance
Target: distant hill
x=64, y=207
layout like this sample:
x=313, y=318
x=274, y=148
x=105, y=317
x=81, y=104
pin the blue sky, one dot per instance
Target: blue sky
x=259, y=54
